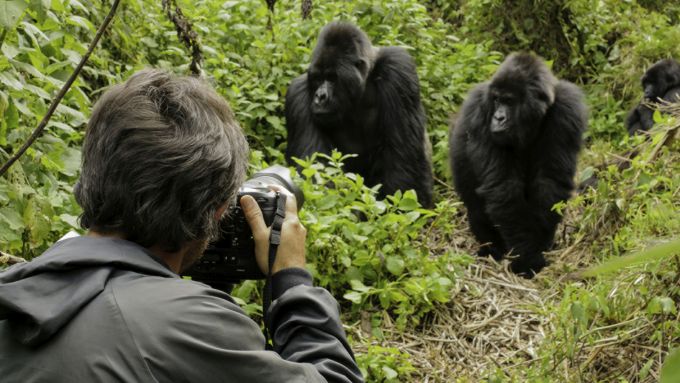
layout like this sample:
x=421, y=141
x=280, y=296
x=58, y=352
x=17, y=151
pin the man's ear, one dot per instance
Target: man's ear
x=219, y=213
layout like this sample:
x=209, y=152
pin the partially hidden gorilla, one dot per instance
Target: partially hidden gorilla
x=363, y=100
x=513, y=150
x=660, y=82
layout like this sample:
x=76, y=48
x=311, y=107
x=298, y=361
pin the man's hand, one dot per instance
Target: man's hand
x=291, y=251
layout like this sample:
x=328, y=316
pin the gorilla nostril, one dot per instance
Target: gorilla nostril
x=320, y=98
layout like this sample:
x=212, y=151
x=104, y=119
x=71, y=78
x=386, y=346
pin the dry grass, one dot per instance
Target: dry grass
x=497, y=321
x=493, y=320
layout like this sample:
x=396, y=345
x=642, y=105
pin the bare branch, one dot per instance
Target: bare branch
x=306, y=9
x=62, y=92
x=185, y=33
x=8, y=259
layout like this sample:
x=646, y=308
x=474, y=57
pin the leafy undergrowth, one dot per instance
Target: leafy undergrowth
x=417, y=306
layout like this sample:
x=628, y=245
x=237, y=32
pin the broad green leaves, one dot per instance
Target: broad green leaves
x=670, y=373
x=42, y=43
x=10, y=12
x=653, y=254
x=373, y=250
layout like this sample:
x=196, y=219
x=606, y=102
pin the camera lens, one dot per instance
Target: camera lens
x=276, y=175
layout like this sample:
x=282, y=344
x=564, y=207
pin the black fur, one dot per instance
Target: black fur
x=510, y=180
x=363, y=100
x=661, y=81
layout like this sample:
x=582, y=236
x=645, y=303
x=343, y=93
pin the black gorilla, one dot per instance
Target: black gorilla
x=513, y=150
x=661, y=81
x=364, y=100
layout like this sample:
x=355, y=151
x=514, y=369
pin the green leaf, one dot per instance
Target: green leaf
x=72, y=220
x=578, y=312
x=358, y=286
x=71, y=161
x=149, y=42
x=409, y=201
x=353, y=296
x=9, y=50
x=661, y=305
x=586, y=173
x=395, y=265
x=40, y=7
x=82, y=22
x=11, y=81
x=58, y=5
x=389, y=373
x=670, y=371
x=644, y=371
x=11, y=121
x=655, y=253
x=12, y=218
x=10, y=12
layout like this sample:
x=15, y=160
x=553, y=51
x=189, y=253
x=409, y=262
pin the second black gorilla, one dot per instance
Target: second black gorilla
x=514, y=149
x=660, y=82
x=363, y=100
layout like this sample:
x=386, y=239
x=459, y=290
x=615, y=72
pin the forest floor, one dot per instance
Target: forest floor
x=497, y=323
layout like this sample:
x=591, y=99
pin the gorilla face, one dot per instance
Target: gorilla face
x=519, y=99
x=504, y=118
x=661, y=77
x=336, y=78
x=337, y=81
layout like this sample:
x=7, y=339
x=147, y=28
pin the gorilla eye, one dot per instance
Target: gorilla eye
x=313, y=75
x=503, y=100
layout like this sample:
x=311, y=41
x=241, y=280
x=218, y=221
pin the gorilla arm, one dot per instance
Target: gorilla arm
x=556, y=155
x=634, y=119
x=673, y=95
x=402, y=155
x=641, y=118
x=472, y=118
x=304, y=139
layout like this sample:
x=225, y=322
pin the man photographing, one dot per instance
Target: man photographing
x=163, y=159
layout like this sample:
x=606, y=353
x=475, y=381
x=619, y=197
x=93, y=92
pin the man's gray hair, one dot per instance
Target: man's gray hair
x=162, y=153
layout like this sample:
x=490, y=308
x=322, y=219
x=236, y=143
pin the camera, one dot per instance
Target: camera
x=231, y=258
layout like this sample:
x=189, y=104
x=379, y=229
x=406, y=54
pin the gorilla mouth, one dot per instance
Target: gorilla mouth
x=499, y=127
x=323, y=113
x=324, y=117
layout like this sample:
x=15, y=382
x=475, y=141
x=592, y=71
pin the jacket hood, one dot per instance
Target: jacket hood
x=39, y=297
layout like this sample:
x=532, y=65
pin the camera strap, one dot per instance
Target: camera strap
x=274, y=241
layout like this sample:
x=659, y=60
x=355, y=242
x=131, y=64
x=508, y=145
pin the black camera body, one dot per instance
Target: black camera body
x=231, y=258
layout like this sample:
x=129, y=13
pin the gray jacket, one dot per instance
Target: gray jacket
x=105, y=310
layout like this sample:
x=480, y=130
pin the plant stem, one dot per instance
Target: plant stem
x=2, y=36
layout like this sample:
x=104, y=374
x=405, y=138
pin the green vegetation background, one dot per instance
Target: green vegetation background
x=398, y=267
